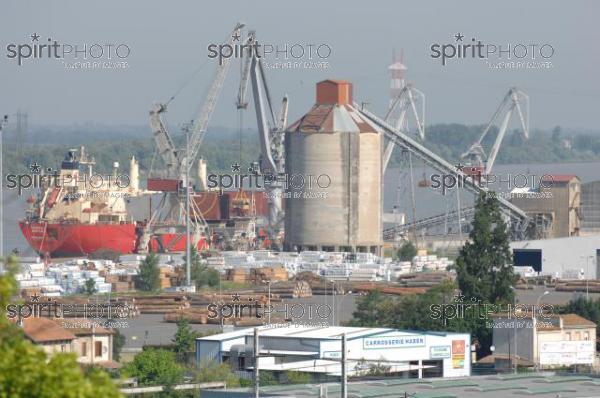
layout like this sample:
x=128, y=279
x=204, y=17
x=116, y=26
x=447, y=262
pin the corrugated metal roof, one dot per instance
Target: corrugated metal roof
x=559, y=177
x=332, y=119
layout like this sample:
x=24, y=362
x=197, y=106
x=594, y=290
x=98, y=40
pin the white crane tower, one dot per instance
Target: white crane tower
x=403, y=97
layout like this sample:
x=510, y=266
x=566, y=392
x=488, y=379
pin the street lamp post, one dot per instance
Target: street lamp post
x=2, y=123
x=537, y=306
x=333, y=302
x=515, y=327
x=188, y=277
x=268, y=283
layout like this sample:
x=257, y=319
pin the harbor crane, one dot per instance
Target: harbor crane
x=173, y=210
x=271, y=131
x=406, y=99
x=518, y=219
x=513, y=100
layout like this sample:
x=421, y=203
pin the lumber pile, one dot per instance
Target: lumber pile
x=257, y=275
x=577, y=285
x=423, y=279
x=192, y=315
x=387, y=289
x=237, y=275
x=84, y=307
x=161, y=304
x=292, y=289
x=324, y=287
x=120, y=283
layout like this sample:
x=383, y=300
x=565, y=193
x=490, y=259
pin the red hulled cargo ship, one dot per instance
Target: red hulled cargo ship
x=77, y=212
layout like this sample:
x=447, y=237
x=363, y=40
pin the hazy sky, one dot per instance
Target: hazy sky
x=168, y=42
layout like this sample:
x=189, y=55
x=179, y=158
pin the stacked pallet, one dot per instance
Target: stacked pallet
x=27, y=292
x=165, y=277
x=238, y=275
x=277, y=273
x=578, y=285
x=292, y=289
x=123, y=283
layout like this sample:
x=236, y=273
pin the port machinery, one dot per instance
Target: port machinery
x=175, y=211
x=517, y=219
x=479, y=165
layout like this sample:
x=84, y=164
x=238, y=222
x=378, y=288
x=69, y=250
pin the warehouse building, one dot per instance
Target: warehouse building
x=567, y=258
x=555, y=205
x=590, y=208
x=544, y=340
x=317, y=350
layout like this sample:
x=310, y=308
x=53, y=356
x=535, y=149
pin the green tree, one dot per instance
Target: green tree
x=149, y=274
x=406, y=252
x=155, y=367
x=484, y=265
x=212, y=371
x=294, y=377
x=118, y=344
x=200, y=273
x=368, y=310
x=184, y=338
x=27, y=372
x=267, y=378
x=90, y=287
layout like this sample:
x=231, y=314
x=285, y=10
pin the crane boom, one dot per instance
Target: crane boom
x=511, y=101
x=271, y=128
x=164, y=143
x=404, y=100
x=518, y=216
x=201, y=123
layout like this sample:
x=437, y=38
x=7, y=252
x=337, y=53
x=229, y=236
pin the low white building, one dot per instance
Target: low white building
x=317, y=350
x=550, y=341
x=568, y=258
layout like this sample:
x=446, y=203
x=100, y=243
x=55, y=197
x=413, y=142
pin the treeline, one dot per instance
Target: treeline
x=47, y=147
x=544, y=146
x=222, y=147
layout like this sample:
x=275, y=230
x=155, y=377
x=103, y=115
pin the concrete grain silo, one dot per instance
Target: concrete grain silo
x=335, y=141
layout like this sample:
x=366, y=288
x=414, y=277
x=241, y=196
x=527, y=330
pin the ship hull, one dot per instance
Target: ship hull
x=66, y=239
x=72, y=239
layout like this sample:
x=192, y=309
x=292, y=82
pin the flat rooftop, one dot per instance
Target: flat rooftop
x=310, y=332
x=496, y=386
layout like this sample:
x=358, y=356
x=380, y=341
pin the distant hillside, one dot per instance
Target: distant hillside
x=451, y=140
x=221, y=146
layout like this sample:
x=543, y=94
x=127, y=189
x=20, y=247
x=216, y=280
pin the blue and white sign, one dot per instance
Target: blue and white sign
x=393, y=342
x=332, y=354
x=440, y=351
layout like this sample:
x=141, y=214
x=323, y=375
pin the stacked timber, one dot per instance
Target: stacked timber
x=238, y=275
x=423, y=279
x=291, y=289
x=273, y=274
x=578, y=285
x=84, y=307
x=367, y=287
x=192, y=315
x=161, y=304
x=324, y=287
